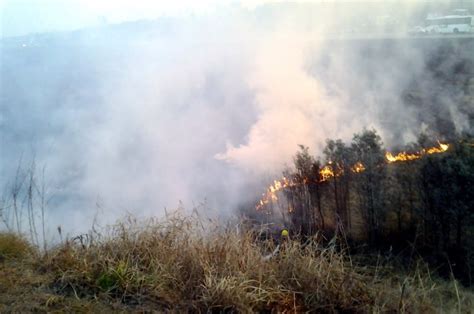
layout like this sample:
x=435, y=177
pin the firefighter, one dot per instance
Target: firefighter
x=284, y=237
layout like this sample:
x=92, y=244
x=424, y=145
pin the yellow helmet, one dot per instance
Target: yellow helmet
x=284, y=233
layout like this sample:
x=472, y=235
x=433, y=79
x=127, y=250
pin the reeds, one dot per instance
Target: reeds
x=180, y=264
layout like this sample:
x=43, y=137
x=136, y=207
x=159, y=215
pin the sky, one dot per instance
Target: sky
x=21, y=17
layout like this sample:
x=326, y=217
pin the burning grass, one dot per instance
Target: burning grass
x=180, y=264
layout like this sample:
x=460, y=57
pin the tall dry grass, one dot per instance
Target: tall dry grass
x=182, y=265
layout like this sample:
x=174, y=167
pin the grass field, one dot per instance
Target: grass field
x=181, y=265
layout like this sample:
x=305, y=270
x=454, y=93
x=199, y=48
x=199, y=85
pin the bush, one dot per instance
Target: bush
x=13, y=246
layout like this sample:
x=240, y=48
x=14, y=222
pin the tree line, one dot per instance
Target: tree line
x=426, y=205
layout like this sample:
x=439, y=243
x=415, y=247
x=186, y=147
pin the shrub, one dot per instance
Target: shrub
x=13, y=246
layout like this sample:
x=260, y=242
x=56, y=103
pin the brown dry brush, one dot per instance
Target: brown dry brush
x=182, y=265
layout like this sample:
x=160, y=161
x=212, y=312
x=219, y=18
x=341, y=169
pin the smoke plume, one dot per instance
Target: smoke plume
x=141, y=116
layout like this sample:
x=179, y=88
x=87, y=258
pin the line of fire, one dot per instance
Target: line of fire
x=331, y=170
x=366, y=199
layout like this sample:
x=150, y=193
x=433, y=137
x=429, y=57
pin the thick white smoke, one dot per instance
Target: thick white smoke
x=293, y=107
x=140, y=116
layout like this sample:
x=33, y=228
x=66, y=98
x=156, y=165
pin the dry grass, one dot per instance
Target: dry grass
x=181, y=265
x=13, y=246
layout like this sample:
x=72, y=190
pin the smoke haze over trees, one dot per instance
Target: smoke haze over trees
x=140, y=115
x=414, y=208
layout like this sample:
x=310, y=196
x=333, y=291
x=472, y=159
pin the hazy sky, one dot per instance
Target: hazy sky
x=19, y=17
x=26, y=16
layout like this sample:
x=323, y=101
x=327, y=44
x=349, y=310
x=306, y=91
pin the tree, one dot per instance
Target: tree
x=339, y=158
x=368, y=149
x=301, y=194
x=447, y=182
x=315, y=190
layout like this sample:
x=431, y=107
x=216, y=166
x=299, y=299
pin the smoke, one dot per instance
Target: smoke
x=334, y=88
x=141, y=116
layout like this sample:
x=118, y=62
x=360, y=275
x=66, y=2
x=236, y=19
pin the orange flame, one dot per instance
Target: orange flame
x=326, y=173
x=271, y=194
x=436, y=150
x=404, y=156
x=358, y=167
